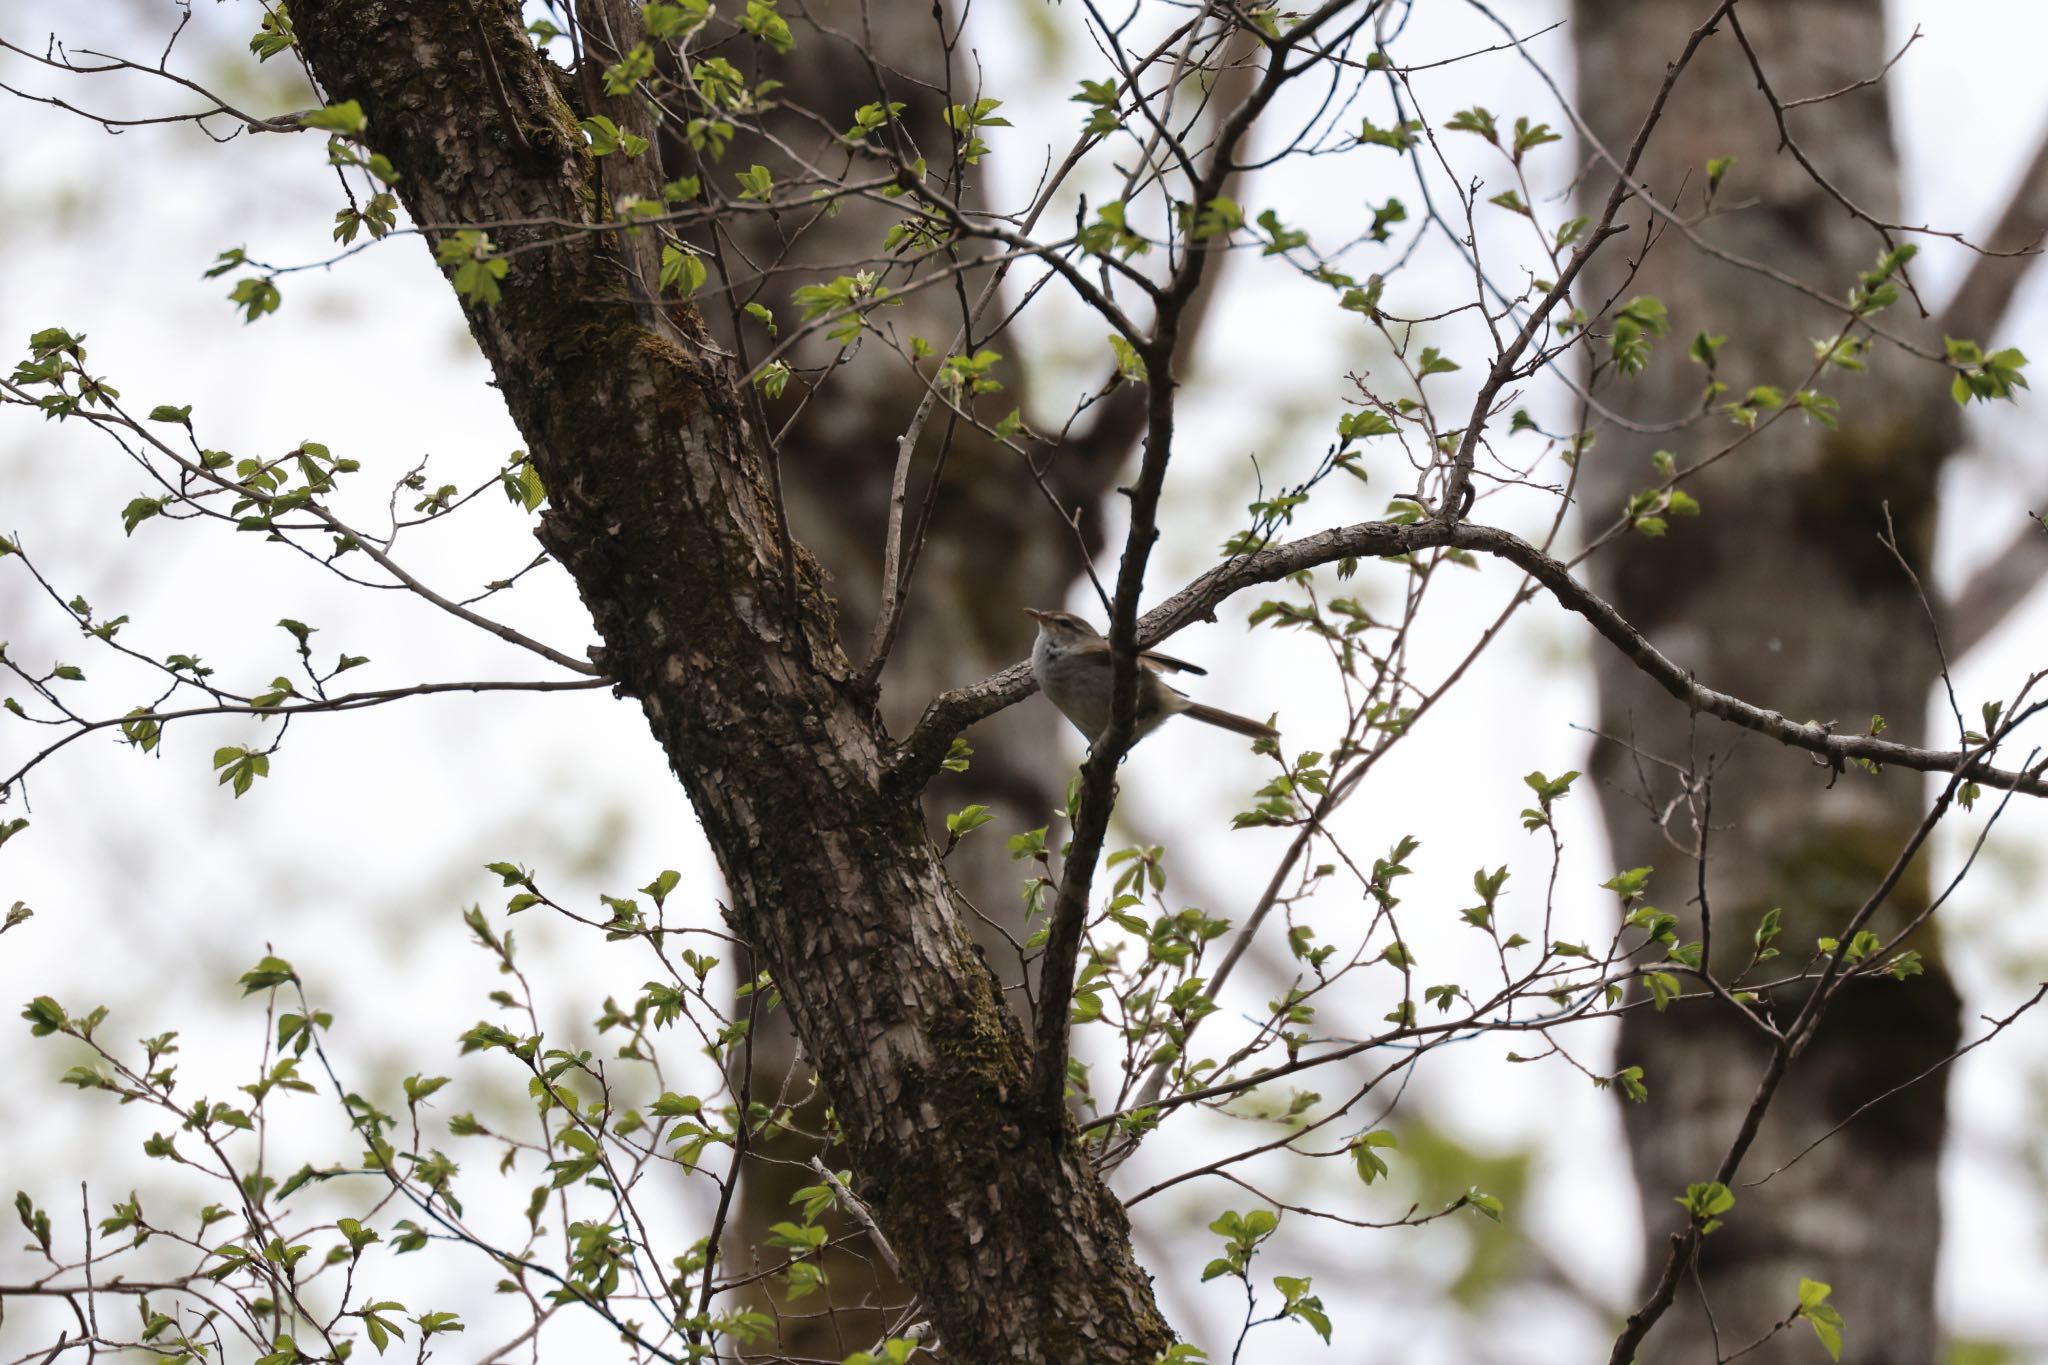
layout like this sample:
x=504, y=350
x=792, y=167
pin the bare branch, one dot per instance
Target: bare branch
x=1995, y=590
x=1980, y=301
x=1458, y=492
x=352, y=701
x=1998, y=1026
x=920, y=753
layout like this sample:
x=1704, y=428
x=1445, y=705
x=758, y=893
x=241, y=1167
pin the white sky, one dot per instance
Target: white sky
x=153, y=888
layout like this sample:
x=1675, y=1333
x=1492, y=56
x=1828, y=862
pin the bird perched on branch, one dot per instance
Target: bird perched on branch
x=1073, y=663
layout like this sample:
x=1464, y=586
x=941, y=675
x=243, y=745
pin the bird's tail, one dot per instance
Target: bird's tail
x=1243, y=725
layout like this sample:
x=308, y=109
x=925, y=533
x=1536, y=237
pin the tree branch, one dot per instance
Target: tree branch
x=1160, y=352
x=351, y=701
x=918, y=757
x=1458, y=491
x=2005, y=581
x=1979, y=303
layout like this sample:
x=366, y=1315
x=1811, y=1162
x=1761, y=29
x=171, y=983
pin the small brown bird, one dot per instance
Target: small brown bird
x=1073, y=665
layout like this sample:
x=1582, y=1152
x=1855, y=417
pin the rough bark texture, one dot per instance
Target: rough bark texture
x=662, y=511
x=1782, y=594
x=990, y=525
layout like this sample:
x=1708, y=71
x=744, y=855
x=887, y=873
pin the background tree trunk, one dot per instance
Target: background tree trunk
x=994, y=542
x=1782, y=593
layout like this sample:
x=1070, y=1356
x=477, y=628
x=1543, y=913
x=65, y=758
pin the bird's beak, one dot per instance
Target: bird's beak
x=1036, y=615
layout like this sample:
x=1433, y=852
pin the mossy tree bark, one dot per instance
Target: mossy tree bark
x=664, y=510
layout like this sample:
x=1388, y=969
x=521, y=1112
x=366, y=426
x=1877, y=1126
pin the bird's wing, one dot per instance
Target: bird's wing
x=1166, y=663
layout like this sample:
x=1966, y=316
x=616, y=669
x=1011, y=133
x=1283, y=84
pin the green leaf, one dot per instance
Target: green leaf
x=1529, y=136
x=1985, y=377
x=418, y=1088
x=522, y=483
x=274, y=36
x=140, y=510
x=966, y=820
x=1099, y=93
x=1399, y=138
x=1475, y=120
x=1219, y=218
x=1353, y=426
x=1129, y=364
x=358, y=1236
x=1364, y=300
x=1640, y=319
x=721, y=83
x=681, y=271
x=240, y=768
x=1384, y=216
x=1825, y=1317
x=606, y=137
x=1433, y=362
x=1663, y=987
x=1818, y=407
x=981, y=114
x=668, y=22
x=478, y=267
x=1365, y=1157
x=1110, y=234
x=1549, y=789
x=870, y=118
x=1704, y=1201
x=1512, y=202
x=761, y=20
x=1302, y=1305
x=345, y=118
x=624, y=75
x=1480, y=1202
x=45, y=1017
x=430, y=1323
x=267, y=974
x=254, y=297
x=1279, y=237
x=1628, y=885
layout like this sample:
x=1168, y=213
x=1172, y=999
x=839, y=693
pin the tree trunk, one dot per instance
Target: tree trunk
x=664, y=512
x=990, y=522
x=1782, y=593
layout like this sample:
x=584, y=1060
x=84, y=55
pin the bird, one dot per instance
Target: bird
x=1073, y=663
